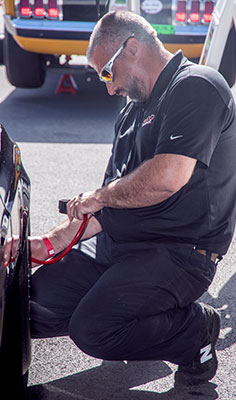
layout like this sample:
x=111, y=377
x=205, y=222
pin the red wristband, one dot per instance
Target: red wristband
x=48, y=244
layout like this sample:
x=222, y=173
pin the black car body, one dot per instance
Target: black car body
x=14, y=269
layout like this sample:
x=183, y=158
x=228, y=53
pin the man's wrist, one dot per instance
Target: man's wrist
x=49, y=246
x=102, y=197
x=106, y=195
x=38, y=248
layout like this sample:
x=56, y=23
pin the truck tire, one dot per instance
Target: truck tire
x=228, y=62
x=24, y=69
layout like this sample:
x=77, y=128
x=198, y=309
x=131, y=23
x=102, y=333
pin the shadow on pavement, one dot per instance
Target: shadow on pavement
x=225, y=303
x=117, y=380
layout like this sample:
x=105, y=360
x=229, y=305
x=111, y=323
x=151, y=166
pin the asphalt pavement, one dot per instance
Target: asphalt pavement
x=65, y=141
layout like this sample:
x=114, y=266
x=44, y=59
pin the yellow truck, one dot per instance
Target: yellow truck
x=39, y=32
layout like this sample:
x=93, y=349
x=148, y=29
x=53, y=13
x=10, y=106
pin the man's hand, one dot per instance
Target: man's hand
x=11, y=249
x=84, y=203
x=37, y=246
x=61, y=237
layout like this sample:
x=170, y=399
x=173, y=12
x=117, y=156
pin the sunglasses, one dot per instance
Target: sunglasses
x=106, y=74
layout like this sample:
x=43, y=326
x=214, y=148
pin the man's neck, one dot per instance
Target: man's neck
x=159, y=61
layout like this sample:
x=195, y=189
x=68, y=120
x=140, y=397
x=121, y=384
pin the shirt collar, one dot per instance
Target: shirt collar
x=165, y=77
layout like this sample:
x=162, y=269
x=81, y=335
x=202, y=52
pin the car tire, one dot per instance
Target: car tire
x=24, y=69
x=15, y=349
x=228, y=62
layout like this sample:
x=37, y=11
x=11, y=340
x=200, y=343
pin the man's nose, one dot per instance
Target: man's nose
x=111, y=88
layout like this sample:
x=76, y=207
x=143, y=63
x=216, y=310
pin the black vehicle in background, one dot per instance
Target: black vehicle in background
x=15, y=348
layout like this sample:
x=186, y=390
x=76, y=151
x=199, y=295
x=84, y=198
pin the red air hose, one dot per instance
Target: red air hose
x=77, y=237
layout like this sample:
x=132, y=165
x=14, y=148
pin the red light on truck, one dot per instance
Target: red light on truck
x=53, y=12
x=207, y=17
x=181, y=14
x=181, y=17
x=209, y=7
x=25, y=11
x=194, y=15
x=39, y=12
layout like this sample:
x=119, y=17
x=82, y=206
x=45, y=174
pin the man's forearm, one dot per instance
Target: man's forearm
x=61, y=237
x=141, y=188
x=126, y=192
x=151, y=183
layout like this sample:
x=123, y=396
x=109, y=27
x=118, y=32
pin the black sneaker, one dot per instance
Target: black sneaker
x=204, y=365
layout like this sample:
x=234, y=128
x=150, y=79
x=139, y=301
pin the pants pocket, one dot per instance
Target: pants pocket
x=196, y=275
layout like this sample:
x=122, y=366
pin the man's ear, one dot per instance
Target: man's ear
x=133, y=49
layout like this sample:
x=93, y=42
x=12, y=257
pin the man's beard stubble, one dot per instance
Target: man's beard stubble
x=135, y=90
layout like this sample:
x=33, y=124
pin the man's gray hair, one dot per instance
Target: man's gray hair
x=115, y=27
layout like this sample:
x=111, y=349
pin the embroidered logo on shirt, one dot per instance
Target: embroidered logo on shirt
x=148, y=120
x=172, y=137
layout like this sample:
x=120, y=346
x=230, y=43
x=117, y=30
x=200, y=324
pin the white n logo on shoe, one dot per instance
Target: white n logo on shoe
x=206, y=354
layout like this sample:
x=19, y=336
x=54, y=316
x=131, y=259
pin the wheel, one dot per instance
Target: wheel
x=15, y=343
x=228, y=62
x=15, y=347
x=24, y=69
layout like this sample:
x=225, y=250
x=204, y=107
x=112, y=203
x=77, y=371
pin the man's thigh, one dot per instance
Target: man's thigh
x=147, y=282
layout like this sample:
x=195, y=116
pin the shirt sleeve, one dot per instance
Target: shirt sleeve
x=193, y=117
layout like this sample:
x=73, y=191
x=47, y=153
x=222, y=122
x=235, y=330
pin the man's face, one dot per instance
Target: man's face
x=126, y=81
x=133, y=88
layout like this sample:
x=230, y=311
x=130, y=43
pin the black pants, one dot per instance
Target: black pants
x=136, y=302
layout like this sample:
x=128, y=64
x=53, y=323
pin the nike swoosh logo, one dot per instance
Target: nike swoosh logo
x=175, y=137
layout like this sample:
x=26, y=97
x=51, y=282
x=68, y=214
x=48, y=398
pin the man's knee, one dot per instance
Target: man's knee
x=94, y=336
x=45, y=323
x=83, y=332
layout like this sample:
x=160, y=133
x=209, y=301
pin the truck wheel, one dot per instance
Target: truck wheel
x=228, y=62
x=24, y=69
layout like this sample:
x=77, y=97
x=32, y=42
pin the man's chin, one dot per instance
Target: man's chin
x=136, y=97
x=121, y=93
x=137, y=100
x=132, y=97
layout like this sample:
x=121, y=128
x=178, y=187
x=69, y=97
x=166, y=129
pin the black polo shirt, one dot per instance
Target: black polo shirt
x=190, y=112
